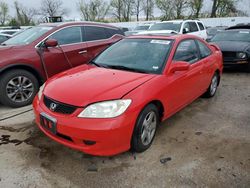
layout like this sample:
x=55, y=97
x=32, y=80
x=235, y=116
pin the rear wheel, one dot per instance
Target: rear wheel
x=18, y=88
x=145, y=128
x=213, y=86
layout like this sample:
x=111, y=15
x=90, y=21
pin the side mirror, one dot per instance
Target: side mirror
x=51, y=43
x=179, y=66
x=185, y=30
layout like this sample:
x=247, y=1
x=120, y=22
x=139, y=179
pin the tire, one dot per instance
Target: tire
x=18, y=88
x=138, y=144
x=211, y=91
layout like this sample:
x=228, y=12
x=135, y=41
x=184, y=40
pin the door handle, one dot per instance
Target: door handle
x=83, y=52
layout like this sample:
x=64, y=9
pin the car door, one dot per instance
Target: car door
x=185, y=85
x=98, y=38
x=70, y=52
x=208, y=69
x=203, y=32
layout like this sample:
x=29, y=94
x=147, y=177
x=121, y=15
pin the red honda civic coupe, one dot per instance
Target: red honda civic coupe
x=117, y=101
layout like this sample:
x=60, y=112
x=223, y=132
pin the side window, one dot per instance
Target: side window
x=187, y=51
x=204, y=50
x=68, y=35
x=94, y=33
x=111, y=32
x=201, y=26
x=193, y=27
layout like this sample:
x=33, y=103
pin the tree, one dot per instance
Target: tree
x=128, y=6
x=4, y=9
x=94, y=10
x=179, y=7
x=117, y=9
x=196, y=6
x=172, y=9
x=148, y=9
x=24, y=16
x=52, y=8
x=138, y=8
x=166, y=7
x=222, y=8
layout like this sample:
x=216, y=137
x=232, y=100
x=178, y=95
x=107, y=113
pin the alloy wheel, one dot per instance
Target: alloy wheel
x=214, y=85
x=148, y=128
x=19, y=89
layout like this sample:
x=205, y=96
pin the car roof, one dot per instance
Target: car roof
x=240, y=26
x=163, y=36
x=180, y=21
x=231, y=30
x=63, y=24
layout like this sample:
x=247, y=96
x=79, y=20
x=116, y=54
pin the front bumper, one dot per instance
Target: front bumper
x=235, y=62
x=110, y=136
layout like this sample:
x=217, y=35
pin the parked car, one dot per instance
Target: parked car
x=4, y=37
x=117, y=101
x=29, y=58
x=10, y=32
x=235, y=46
x=212, y=31
x=240, y=26
x=138, y=29
x=193, y=27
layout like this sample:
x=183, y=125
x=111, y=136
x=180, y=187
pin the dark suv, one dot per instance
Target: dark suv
x=30, y=58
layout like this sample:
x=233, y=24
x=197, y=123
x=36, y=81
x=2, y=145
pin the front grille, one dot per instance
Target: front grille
x=58, y=107
x=229, y=56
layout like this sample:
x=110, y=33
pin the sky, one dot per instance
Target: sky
x=74, y=14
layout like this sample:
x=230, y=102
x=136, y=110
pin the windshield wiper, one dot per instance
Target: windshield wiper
x=97, y=64
x=121, y=67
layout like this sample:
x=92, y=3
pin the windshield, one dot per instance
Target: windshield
x=243, y=36
x=166, y=26
x=213, y=31
x=142, y=27
x=138, y=55
x=28, y=36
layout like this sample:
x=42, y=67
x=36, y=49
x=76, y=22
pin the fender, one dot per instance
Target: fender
x=39, y=76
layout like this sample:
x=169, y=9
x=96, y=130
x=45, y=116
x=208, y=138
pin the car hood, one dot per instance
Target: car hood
x=157, y=32
x=235, y=46
x=89, y=84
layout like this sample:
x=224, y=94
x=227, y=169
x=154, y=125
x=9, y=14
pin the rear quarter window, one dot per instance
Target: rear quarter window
x=201, y=26
x=111, y=32
x=93, y=33
x=204, y=50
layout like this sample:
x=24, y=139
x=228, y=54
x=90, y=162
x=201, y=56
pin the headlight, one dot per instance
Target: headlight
x=241, y=55
x=40, y=92
x=106, y=109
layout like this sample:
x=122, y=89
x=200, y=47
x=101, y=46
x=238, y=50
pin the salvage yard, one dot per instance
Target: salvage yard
x=205, y=145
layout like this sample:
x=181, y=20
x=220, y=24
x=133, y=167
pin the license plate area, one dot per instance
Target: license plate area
x=48, y=122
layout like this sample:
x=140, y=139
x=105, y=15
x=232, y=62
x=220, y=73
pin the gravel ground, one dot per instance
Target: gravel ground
x=207, y=144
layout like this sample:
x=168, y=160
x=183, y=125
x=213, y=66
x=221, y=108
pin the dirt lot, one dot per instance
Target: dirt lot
x=205, y=145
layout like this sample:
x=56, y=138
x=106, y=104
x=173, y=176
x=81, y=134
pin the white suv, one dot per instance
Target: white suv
x=193, y=27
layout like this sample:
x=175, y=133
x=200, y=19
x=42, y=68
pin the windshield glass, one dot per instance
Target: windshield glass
x=142, y=27
x=27, y=36
x=166, y=26
x=138, y=55
x=243, y=36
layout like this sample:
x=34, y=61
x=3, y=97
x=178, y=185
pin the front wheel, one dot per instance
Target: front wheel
x=145, y=128
x=213, y=86
x=18, y=87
